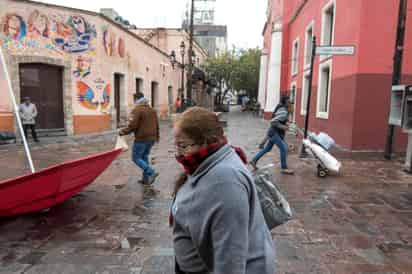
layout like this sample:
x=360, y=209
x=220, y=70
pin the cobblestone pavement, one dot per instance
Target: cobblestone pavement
x=357, y=222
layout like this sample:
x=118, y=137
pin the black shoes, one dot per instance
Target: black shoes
x=150, y=180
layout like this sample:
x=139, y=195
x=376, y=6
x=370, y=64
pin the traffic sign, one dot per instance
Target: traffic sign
x=335, y=50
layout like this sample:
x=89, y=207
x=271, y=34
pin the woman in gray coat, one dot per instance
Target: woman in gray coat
x=217, y=221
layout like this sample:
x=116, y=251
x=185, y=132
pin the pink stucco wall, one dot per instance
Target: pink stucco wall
x=359, y=99
x=106, y=49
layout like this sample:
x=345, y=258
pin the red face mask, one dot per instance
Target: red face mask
x=191, y=162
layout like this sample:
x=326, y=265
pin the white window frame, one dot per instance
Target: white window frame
x=303, y=91
x=295, y=57
x=323, y=27
x=294, y=84
x=306, y=63
x=321, y=114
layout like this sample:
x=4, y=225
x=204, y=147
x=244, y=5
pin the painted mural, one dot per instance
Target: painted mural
x=75, y=35
x=121, y=48
x=4, y=92
x=38, y=25
x=52, y=32
x=14, y=26
x=82, y=66
x=112, y=45
x=109, y=41
x=97, y=98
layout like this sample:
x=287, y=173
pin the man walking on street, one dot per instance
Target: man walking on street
x=28, y=114
x=144, y=123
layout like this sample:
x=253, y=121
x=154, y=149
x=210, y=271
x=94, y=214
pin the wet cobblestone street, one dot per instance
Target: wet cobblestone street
x=357, y=222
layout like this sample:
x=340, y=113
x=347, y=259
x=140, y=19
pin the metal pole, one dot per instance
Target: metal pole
x=409, y=155
x=190, y=65
x=303, y=152
x=183, y=76
x=16, y=111
x=397, y=69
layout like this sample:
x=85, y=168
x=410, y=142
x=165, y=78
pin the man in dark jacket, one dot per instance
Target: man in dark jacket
x=144, y=123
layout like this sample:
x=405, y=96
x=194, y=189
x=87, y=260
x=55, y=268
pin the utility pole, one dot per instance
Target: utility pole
x=303, y=153
x=397, y=68
x=190, y=65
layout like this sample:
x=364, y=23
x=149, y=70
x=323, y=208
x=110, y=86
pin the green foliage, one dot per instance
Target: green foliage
x=235, y=70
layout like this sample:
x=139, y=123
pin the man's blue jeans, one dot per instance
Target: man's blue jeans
x=281, y=144
x=140, y=156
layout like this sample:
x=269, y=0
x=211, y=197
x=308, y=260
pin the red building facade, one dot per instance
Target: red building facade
x=350, y=94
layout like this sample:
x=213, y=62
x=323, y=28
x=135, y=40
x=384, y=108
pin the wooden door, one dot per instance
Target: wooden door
x=44, y=85
x=117, y=97
x=155, y=94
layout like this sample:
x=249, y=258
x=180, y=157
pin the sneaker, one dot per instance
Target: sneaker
x=253, y=165
x=150, y=180
x=287, y=171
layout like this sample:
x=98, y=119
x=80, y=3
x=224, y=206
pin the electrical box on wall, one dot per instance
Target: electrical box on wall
x=407, y=110
x=397, y=94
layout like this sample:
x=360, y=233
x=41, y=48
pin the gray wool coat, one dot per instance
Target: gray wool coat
x=218, y=225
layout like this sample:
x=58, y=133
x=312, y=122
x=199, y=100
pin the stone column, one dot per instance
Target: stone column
x=262, y=79
x=275, y=68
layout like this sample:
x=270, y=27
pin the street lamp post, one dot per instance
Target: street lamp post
x=303, y=153
x=182, y=66
x=182, y=52
x=190, y=65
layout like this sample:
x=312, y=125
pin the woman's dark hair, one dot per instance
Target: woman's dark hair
x=138, y=95
x=201, y=125
x=284, y=99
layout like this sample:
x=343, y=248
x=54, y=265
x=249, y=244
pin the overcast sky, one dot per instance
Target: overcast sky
x=244, y=18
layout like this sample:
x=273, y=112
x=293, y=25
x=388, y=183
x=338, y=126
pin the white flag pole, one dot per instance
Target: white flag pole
x=16, y=111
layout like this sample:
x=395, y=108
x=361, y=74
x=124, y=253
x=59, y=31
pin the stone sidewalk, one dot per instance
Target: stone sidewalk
x=357, y=222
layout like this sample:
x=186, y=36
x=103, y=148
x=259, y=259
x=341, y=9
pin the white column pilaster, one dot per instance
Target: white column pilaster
x=275, y=69
x=262, y=80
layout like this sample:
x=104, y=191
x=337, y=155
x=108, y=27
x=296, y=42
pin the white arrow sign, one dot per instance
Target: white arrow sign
x=335, y=50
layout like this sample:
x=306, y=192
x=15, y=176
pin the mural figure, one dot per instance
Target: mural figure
x=121, y=47
x=38, y=24
x=14, y=26
x=93, y=99
x=109, y=42
x=82, y=66
x=75, y=36
x=63, y=31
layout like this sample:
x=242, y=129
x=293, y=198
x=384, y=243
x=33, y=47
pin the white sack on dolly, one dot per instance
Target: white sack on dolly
x=325, y=157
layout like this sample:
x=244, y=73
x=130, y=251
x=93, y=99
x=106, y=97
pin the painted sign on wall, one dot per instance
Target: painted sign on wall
x=82, y=66
x=96, y=98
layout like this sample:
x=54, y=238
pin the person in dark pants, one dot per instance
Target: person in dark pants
x=276, y=136
x=28, y=113
x=145, y=126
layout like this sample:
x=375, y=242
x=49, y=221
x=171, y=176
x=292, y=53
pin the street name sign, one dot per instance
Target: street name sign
x=335, y=50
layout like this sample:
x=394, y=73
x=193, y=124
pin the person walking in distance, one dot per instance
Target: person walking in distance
x=28, y=114
x=144, y=123
x=276, y=136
